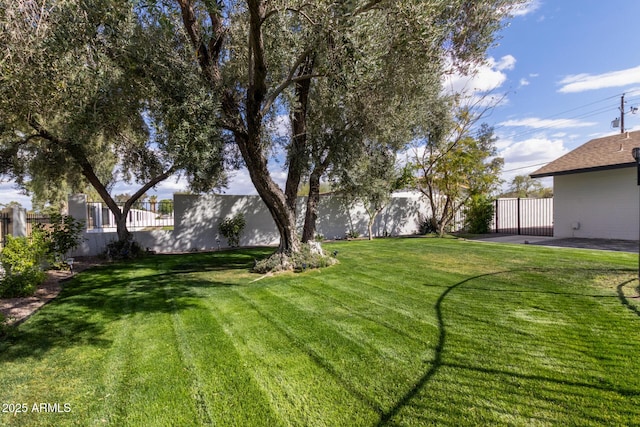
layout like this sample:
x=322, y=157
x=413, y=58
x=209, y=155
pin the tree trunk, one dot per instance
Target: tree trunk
x=297, y=155
x=372, y=218
x=311, y=215
x=272, y=196
x=246, y=123
x=121, y=226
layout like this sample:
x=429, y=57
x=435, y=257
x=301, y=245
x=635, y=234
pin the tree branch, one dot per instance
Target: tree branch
x=367, y=7
x=291, y=9
x=77, y=153
x=257, y=67
x=159, y=178
x=291, y=78
x=204, y=55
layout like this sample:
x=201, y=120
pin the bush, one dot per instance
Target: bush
x=231, y=228
x=23, y=260
x=353, y=234
x=119, y=250
x=427, y=227
x=63, y=235
x=479, y=215
x=298, y=261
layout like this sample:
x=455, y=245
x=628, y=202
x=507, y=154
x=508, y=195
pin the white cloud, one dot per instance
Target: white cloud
x=524, y=157
x=536, y=123
x=507, y=62
x=583, y=82
x=526, y=8
x=524, y=82
x=9, y=193
x=534, y=151
x=482, y=78
x=280, y=126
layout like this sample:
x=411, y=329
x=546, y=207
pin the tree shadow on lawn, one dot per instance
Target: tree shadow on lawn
x=623, y=298
x=91, y=301
x=437, y=362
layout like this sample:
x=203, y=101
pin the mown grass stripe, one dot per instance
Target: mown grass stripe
x=222, y=384
x=372, y=379
x=300, y=388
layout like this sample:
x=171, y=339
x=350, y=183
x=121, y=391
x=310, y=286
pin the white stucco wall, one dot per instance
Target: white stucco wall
x=197, y=219
x=604, y=203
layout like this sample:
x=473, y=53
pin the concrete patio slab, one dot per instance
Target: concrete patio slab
x=599, y=244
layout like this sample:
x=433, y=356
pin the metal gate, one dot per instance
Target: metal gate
x=5, y=220
x=532, y=217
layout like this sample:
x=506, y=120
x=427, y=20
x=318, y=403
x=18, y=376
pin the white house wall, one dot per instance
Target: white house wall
x=601, y=204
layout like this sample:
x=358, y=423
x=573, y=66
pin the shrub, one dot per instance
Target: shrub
x=353, y=234
x=298, y=261
x=23, y=260
x=118, y=250
x=63, y=235
x=427, y=226
x=4, y=328
x=479, y=215
x=231, y=228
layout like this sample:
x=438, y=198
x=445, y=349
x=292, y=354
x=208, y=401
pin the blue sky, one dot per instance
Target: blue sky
x=561, y=65
x=564, y=66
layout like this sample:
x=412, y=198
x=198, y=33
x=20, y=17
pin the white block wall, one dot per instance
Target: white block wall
x=197, y=219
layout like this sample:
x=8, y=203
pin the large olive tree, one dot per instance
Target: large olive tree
x=88, y=94
x=264, y=56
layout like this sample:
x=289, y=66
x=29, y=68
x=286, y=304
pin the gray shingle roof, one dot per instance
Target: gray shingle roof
x=609, y=152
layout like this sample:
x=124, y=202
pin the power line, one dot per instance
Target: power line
x=578, y=116
x=526, y=167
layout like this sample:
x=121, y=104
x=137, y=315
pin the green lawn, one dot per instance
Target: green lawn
x=401, y=332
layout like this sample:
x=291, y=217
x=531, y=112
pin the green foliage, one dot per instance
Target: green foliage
x=428, y=226
x=165, y=207
x=22, y=260
x=232, y=228
x=455, y=162
x=524, y=186
x=372, y=179
x=353, y=234
x=93, y=97
x=63, y=234
x=479, y=214
x=120, y=250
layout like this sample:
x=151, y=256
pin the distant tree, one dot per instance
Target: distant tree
x=455, y=162
x=165, y=206
x=372, y=180
x=524, y=186
x=153, y=201
x=12, y=204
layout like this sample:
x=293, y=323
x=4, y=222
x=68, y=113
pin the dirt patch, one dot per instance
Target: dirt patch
x=17, y=310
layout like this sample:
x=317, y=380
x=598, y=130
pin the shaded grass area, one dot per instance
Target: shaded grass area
x=401, y=332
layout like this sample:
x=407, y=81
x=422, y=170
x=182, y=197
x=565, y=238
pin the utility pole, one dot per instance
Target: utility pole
x=622, y=113
x=620, y=121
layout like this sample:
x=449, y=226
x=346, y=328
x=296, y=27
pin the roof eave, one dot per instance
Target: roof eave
x=582, y=170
